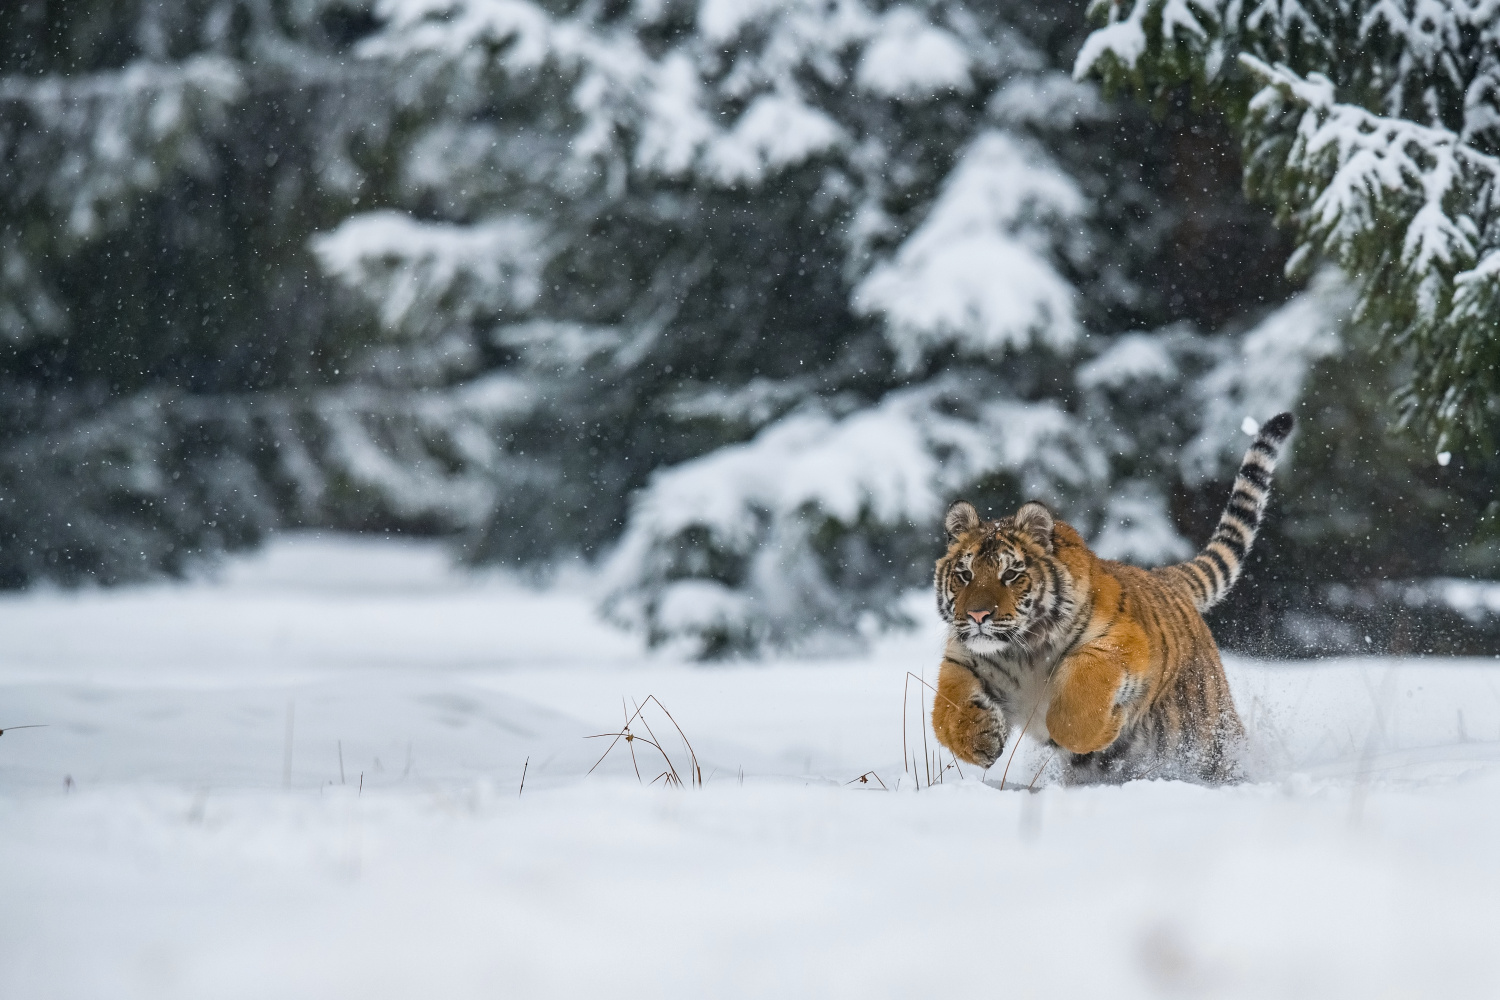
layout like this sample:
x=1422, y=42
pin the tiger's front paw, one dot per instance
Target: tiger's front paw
x=973, y=730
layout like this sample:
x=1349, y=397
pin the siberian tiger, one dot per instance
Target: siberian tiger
x=1110, y=664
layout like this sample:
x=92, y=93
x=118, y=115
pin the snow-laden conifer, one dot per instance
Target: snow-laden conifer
x=1372, y=126
x=823, y=239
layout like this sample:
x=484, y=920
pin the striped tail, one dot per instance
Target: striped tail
x=1211, y=574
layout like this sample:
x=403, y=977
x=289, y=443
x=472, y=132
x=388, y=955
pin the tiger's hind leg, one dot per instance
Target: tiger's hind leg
x=1129, y=757
x=1202, y=733
x=1221, y=760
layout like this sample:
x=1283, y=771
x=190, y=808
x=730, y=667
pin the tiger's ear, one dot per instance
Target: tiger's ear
x=961, y=517
x=1036, y=520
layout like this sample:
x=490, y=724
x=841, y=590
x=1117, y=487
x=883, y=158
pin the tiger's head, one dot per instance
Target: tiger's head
x=999, y=587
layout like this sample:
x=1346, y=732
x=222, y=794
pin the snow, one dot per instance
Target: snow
x=874, y=460
x=1046, y=99
x=1373, y=157
x=722, y=20
x=1265, y=373
x=1133, y=357
x=467, y=32
x=1471, y=598
x=755, y=505
x=115, y=135
x=973, y=275
x=775, y=132
x=1475, y=600
x=1138, y=529
x=179, y=864
x=910, y=59
x=755, y=403
x=1365, y=162
x=676, y=126
x=1124, y=38
x=497, y=262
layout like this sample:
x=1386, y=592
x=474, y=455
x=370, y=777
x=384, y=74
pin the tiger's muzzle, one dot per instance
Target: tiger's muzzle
x=988, y=629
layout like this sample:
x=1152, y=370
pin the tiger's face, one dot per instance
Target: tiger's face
x=995, y=584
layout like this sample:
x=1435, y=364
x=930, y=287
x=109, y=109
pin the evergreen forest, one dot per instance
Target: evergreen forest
x=728, y=299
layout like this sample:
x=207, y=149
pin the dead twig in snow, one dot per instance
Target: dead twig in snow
x=1040, y=770
x=911, y=756
x=1017, y=745
x=671, y=776
x=39, y=725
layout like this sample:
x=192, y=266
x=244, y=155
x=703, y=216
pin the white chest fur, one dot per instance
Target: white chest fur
x=1023, y=684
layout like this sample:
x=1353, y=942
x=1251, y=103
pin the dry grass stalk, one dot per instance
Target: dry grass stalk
x=38, y=725
x=671, y=776
x=286, y=756
x=933, y=769
x=1017, y=745
x=1040, y=770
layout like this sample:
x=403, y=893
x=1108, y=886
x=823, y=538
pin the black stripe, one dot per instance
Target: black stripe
x=1197, y=585
x=1222, y=566
x=1265, y=448
x=1244, y=510
x=1231, y=542
x=1156, y=626
x=984, y=681
x=1244, y=496
x=1004, y=670
x=1255, y=475
x=1230, y=522
x=1182, y=618
x=1219, y=582
x=1054, y=588
x=1080, y=629
x=989, y=689
x=1190, y=580
x=1278, y=427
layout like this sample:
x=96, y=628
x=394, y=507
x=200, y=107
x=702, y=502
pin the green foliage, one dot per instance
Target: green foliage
x=1372, y=127
x=162, y=325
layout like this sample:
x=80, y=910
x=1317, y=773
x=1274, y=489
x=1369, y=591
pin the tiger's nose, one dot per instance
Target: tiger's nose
x=980, y=616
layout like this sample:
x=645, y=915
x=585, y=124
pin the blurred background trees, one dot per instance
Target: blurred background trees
x=729, y=298
x=162, y=165
x=1373, y=129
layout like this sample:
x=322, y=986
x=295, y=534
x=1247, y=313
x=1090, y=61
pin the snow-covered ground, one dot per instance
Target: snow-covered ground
x=303, y=779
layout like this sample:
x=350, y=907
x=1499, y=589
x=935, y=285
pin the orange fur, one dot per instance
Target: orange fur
x=1118, y=659
x=967, y=729
x=1133, y=631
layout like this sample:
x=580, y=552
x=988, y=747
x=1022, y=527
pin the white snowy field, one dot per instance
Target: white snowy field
x=303, y=779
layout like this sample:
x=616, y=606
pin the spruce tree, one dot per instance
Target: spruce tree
x=170, y=350
x=1373, y=127
x=756, y=290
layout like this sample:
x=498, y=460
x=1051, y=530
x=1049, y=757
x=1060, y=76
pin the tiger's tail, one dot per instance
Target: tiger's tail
x=1211, y=574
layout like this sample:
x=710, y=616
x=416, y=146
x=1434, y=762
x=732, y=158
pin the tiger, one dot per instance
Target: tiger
x=1110, y=665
